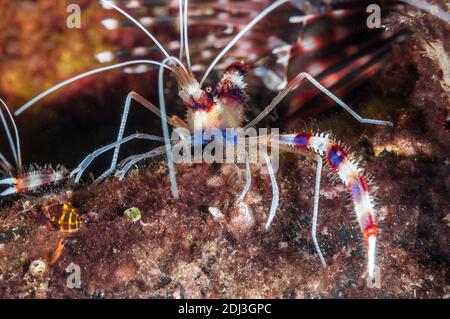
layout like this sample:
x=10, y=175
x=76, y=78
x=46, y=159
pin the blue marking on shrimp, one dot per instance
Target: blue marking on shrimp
x=301, y=140
x=356, y=191
x=336, y=155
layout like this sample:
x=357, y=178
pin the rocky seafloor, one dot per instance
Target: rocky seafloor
x=181, y=250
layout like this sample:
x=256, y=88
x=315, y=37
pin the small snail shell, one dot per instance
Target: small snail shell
x=38, y=268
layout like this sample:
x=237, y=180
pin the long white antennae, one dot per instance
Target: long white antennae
x=180, y=5
x=112, y=5
x=186, y=37
x=165, y=127
x=265, y=12
x=83, y=75
x=15, y=148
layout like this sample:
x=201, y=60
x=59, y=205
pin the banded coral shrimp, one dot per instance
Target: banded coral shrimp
x=209, y=108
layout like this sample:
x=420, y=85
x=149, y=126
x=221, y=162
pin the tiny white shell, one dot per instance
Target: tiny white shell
x=38, y=268
x=217, y=214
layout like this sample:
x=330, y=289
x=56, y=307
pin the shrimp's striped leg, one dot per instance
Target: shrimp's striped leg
x=89, y=158
x=347, y=169
x=131, y=96
x=294, y=84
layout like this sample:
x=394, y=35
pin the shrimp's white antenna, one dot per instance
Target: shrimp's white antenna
x=109, y=4
x=139, y=25
x=80, y=76
x=180, y=6
x=186, y=37
x=15, y=148
x=250, y=25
